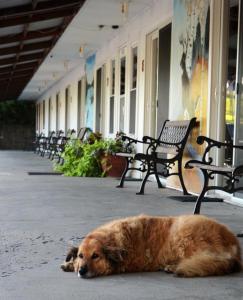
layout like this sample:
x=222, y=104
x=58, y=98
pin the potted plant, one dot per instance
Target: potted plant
x=94, y=158
x=112, y=164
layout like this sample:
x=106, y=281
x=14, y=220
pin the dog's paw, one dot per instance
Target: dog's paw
x=63, y=267
x=67, y=267
x=170, y=268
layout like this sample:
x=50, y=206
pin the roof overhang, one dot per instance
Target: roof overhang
x=29, y=29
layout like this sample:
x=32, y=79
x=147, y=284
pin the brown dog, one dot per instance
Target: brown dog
x=187, y=246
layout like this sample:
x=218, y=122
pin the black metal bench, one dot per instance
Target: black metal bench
x=161, y=154
x=45, y=143
x=231, y=174
x=37, y=142
x=83, y=133
x=58, y=144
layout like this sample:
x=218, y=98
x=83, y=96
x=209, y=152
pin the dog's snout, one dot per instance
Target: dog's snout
x=83, y=270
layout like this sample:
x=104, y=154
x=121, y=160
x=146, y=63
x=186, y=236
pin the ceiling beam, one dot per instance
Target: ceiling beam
x=16, y=73
x=8, y=39
x=17, y=85
x=20, y=48
x=26, y=48
x=35, y=18
x=19, y=67
x=16, y=76
x=39, y=8
x=22, y=58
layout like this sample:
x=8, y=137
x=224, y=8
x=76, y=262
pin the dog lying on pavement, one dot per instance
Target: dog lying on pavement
x=188, y=246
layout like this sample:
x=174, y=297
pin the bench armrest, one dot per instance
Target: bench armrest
x=188, y=164
x=213, y=143
x=149, y=140
x=129, y=139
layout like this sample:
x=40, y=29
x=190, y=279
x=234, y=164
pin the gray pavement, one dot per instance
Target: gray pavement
x=40, y=215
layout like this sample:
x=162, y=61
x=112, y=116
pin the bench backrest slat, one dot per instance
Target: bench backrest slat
x=175, y=135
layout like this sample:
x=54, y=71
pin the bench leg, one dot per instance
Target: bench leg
x=49, y=156
x=148, y=173
x=200, y=197
x=198, y=204
x=160, y=186
x=121, y=184
x=185, y=192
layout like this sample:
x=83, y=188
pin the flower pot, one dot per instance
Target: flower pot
x=113, y=165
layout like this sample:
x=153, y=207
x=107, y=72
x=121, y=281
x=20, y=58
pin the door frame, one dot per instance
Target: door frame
x=149, y=80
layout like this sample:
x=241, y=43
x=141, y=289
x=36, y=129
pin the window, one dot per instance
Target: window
x=57, y=113
x=112, y=96
x=49, y=114
x=44, y=114
x=79, y=102
x=133, y=91
x=122, y=92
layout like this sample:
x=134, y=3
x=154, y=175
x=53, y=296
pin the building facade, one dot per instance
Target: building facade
x=174, y=60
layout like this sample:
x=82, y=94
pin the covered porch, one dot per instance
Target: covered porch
x=41, y=215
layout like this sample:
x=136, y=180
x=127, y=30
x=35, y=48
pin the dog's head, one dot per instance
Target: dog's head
x=94, y=258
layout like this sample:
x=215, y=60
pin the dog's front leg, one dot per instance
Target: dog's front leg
x=68, y=267
x=170, y=268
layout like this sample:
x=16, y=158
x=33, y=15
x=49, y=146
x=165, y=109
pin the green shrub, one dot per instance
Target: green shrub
x=85, y=159
x=17, y=112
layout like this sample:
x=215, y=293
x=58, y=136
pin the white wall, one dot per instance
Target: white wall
x=71, y=79
x=134, y=32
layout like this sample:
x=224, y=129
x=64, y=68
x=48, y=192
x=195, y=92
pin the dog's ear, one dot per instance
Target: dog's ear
x=114, y=255
x=72, y=254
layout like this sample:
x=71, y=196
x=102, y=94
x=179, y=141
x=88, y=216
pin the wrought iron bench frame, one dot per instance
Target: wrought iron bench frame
x=171, y=141
x=83, y=133
x=61, y=142
x=45, y=143
x=209, y=170
x=39, y=137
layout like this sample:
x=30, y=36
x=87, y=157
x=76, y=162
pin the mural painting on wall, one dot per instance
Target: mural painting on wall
x=189, y=71
x=89, y=100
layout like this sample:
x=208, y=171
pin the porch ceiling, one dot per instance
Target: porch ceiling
x=29, y=29
x=83, y=31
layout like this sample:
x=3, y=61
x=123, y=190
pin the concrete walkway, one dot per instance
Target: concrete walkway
x=41, y=214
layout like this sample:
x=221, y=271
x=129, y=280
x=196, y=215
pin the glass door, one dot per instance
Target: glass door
x=230, y=104
x=238, y=138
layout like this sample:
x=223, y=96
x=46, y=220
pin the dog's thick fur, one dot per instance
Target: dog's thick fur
x=187, y=246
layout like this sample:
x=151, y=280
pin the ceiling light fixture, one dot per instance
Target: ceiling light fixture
x=124, y=9
x=65, y=64
x=54, y=75
x=81, y=51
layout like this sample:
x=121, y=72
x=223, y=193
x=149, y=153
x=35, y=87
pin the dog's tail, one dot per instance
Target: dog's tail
x=208, y=264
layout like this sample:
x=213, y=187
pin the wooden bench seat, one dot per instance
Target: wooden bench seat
x=223, y=169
